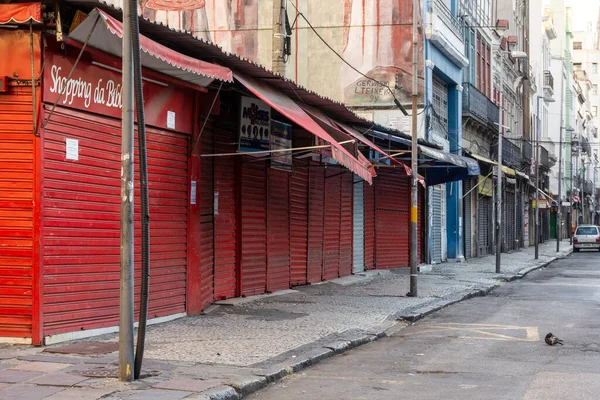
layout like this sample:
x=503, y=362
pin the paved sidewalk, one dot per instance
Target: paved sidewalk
x=243, y=345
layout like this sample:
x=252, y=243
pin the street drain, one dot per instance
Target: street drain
x=111, y=373
x=435, y=373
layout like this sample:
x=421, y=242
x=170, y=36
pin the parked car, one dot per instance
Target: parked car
x=586, y=237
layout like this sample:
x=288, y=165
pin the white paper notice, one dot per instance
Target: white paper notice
x=193, y=193
x=171, y=119
x=72, y=149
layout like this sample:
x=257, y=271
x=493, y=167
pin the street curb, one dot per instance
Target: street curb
x=525, y=271
x=313, y=357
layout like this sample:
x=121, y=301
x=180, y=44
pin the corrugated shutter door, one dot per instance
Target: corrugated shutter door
x=467, y=186
x=278, y=231
x=422, y=219
x=299, y=224
x=509, y=221
x=205, y=194
x=254, y=227
x=359, y=225
x=483, y=219
x=347, y=198
x=224, y=197
x=81, y=222
x=369, y=209
x=331, y=241
x=519, y=219
x=436, y=224
x=16, y=212
x=392, y=203
x=316, y=223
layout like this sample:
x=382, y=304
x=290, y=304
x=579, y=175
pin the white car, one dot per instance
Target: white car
x=586, y=237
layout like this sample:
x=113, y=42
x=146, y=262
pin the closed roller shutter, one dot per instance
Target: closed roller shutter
x=369, y=209
x=392, y=205
x=81, y=222
x=347, y=198
x=254, y=227
x=359, y=225
x=509, y=221
x=224, y=198
x=278, y=231
x=16, y=212
x=205, y=194
x=331, y=241
x=467, y=186
x=483, y=223
x=436, y=224
x=299, y=223
x=316, y=222
x=519, y=218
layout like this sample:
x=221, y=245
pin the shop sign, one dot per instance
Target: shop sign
x=255, y=124
x=486, y=186
x=97, y=88
x=280, y=139
x=543, y=204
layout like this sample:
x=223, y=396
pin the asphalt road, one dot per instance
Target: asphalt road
x=484, y=348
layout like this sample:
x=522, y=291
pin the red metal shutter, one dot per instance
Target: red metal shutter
x=16, y=212
x=316, y=210
x=254, y=227
x=81, y=222
x=392, y=204
x=205, y=195
x=299, y=224
x=278, y=231
x=346, y=226
x=331, y=237
x=225, y=217
x=369, y=226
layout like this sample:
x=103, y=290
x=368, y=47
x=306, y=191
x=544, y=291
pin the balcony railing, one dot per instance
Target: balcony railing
x=442, y=10
x=511, y=153
x=479, y=107
x=588, y=187
x=549, y=82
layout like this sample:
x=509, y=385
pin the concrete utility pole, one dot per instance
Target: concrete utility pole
x=278, y=36
x=537, y=181
x=499, y=188
x=414, y=208
x=126, y=357
x=560, y=144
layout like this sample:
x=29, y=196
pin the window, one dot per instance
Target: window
x=484, y=58
x=577, y=46
x=586, y=230
x=594, y=89
x=577, y=66
x=594, y=68
x=440, y=107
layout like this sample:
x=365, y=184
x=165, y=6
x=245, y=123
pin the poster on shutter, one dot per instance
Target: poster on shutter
x=193, y=189
x=72, y=149
x=281, y=138
x=255, y=125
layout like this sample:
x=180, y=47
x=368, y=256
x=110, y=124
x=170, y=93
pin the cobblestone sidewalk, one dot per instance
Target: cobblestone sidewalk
x=239, y=347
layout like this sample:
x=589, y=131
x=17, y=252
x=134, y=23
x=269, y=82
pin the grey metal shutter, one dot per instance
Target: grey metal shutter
x=436, y=224
x=359, y=226
x=467, y=186
x=519, y=218
x=483, y=220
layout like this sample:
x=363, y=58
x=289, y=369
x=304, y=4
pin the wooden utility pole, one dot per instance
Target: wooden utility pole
x=278, y=59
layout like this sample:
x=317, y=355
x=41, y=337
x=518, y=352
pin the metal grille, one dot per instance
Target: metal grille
x=440, y=106
x=468, y=185
x=483, y=223
x=509, y=221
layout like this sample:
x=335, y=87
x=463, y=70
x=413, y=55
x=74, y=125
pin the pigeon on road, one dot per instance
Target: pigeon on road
x=551, y=340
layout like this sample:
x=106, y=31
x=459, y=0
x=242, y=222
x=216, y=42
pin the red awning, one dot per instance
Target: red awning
x=20, y=13
x=291, y=110
x=107, y=38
